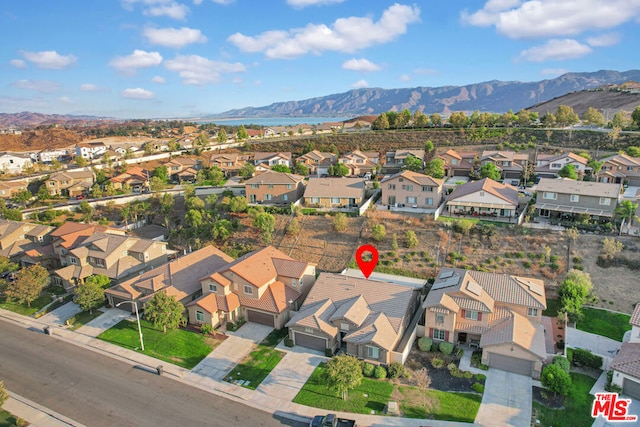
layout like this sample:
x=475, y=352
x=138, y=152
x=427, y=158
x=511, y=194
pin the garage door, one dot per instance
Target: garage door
x=631, y=388
x=309, y=341
x=259, y=317
x=511, y=364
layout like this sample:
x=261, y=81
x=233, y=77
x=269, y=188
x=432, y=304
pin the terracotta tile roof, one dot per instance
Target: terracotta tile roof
x=219, y=279
x=627, y=361
x=265, y=156
x=453, y=153
x=335, y=187
x=623, y=159
x=289, y=267
x=418, y=178
x=272, y=177
x=213, y=303
x=586, y=188
x=505, y=192
x=376, y=330
x=71, y=175
x=503, y=156
x=256, y=267
x=275, y=298
x=519, y=330
x=635, y=317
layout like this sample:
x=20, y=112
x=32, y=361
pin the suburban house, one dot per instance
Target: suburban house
x=136, y=177
x=179, y=278
x=48, y=156
x=360, y=162
x=14, y=163
x=512, y=165
x=499, y=313
x=457, y=163
x=71, y=183
x=90, y=150
x=262, y=287
x=626, y=364
x=567, y=198
x=411, y=189
x=111, y=255
x=9, y=188
x=330, y=193
x=229, y=163
x=364, y=318
x=18, y=237
x=620, y=169
x=183, y=169
x=483, y=198
x=548, y=165
x=271, y=159
x=317, y=162
x=396, y=159
x=274, y=188
x=71, y=234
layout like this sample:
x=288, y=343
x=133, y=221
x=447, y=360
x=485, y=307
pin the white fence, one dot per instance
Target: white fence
x=368, y=203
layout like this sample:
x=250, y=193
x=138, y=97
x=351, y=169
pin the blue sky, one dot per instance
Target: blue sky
x=185, y=58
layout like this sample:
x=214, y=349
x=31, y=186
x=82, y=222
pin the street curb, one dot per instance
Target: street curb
x=17, y=408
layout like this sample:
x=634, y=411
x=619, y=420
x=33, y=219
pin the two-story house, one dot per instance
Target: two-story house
x=511, y=164
x=360, y=162
x=270, y=159
x=566, y=198
x=9, y=188
x=274, y=188
x=70, y=183
x=484, y=198
x=18, y=237
x=229, y=163
x=48, y=156
x=365, y=318
x=395, y=160
x=317, y=162
x=620, y=169
x=71, y=234
x=262, y=287
x=14, y=163
x=626, y=364
x=499, y=313
x=411, y=189
x=548, y=165
x=330, y=193
x=183, y=169
x=90, y=150
x=458, y=163
x=135, y=177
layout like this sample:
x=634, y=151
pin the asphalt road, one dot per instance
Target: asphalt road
x=96, y=390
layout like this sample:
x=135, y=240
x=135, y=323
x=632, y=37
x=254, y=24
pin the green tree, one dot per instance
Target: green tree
x=43, y=194
x=379, y=232
x=11, y=214
x=565, y=116
x=458, y=119
x=222, y=136
x=80, y=161
x=96, y=191
x=394, y=242
x=193, y=218
x=626, y=210
x=524, y=118
x=338, y=170
x=340, y=223
x=281, y=168
x=435, y=168
x=436, y=119
x=548, y=120
x=343, y=373
x=162, y=173
x=29, y=283
x=555, y=379
x=308, y=147
x=635, y=116
x=22, y=196
x=568, y=171
x=247, y=170
x=412, y=163
x=428, y=147
x=619, y=120
x=381, y=122
x=410, y=239
x=194, y=202
x=293, y=227
x=265, y=222
x=593, y=117
x=633, y=151
x=164, y=311
x=156, y=184
x=242, y=133
x=90, y=294
x=301, y=169
x=87, y=211
x=491, y=171
x=595, y=166
x=574, y=292
x=420, y=120
x=238, y=204
x=221, y=229
x=4, y=394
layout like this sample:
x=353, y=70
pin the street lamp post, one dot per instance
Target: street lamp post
x=135, y=304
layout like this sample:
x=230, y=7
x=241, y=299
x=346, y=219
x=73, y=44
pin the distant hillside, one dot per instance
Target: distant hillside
x=607, y=101
x=493, y=96
x=29, y=119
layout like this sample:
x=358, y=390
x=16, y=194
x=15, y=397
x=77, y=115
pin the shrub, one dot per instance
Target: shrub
x=458, y=373
x=378, y=232
x=396, y=370
x=613, y=388
x=367, y=369
x=586, y=358
x=445, y=347
x=562, y=362
x=480, y=377
x=555, y=266
x=518, y=254
x=554, y=258
x=555, y=379
x=434, y=347
x=379, y=372
x=328, y=352
x=451, y=366
x=526, y=264
x=424, y=343
x=206, y=329
x=437, y=362
x=577, y=260
x=340, y=223
x=478, y=388
x=410, y=239
x=468, y=374
x=288, y=342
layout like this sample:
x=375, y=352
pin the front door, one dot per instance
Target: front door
x=391, y=200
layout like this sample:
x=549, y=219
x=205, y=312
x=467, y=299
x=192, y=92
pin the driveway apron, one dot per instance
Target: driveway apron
x=506, y=400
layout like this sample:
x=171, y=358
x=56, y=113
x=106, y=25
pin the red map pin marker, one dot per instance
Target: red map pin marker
x=367, y=267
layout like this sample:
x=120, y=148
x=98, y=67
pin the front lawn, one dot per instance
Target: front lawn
x=36, y=305
x=374, y=394
x=7, y=420
x=605, y=323
x=177, y=346
x=553, y=305
x=255, y=367
x=577, y=403
x=82, y=319
x=274, y=337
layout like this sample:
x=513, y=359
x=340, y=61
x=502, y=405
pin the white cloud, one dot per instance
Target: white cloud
x=158, y=79
x=174, y=37
x=137, y=93
x=18, y=63
x=554, y=71
x=197, y=70
x=360, y=84
x=604, y=40
x=89, y=87
x=361, y=64
x=45, y=86
x=49, y=59
x=555, y=50
x=223, y=2
x=344, y=35
x=138, y=59
x=172, y=10
x=65, y=100
x=305, y=3
x=197, y=2
x=519, y=19
x=405, y=78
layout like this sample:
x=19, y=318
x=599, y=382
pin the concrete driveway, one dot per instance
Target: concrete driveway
x=506, y=400
x=111, y=317
x=59, y=316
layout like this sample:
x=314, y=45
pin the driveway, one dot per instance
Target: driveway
x=506, y=400
x=111, y=317
x=59, y=316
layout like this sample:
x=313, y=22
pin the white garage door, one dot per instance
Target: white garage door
x=510, y=364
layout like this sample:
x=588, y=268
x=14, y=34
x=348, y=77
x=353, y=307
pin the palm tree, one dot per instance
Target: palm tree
x=626, y=210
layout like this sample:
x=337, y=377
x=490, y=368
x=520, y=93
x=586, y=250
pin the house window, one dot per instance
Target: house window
x=428, y=201
x=270, y=186
x=471, y=314
x=575, y=198
x=100, y=262
x=482, y=194
x=533, y=312
x=253, y=198
x=411, y=200
x=248, y=290
x=315, y=199
x=605, y=201
x=335, y=200
x=410, y=187
x=344, y=326
x=213, y=287
x=427, y=188
x=629, y=168
x=73, y=260
x=454, y=161
x=307, y=329
x=556, y=165
x=285, y=197
x=438, y=334
x=294, y=282
x=549, y=196
x=289, y=186
x=199, y=316
x=401, y=180
x=254, y=186
x=439, y=318
x=268, y=196
x=392, y=186
x=373, y=352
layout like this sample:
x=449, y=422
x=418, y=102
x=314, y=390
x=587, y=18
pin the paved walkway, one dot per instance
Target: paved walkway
x=597, y=344
x=36, y=415
x=111, y=317
x=506, y=400
x=59, y=316
x=465, y=363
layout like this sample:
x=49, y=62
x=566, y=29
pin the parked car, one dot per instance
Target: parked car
x=80, y=197
x=331, y=420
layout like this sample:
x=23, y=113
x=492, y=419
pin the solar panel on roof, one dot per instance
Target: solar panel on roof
x=446, y=274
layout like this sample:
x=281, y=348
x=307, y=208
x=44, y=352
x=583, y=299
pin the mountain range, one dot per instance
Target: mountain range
x=28, y=119
x=493, y=96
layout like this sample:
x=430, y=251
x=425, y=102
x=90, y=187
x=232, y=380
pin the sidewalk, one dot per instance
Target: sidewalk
x=36, y=415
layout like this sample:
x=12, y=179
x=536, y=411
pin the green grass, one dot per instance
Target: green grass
x=82, y=319
x=7, y=420
x=553, y=305
x=177, y=346
x=255, y=367
x=373, y=395
x=36, y=305
x=578, y=404
x=605, y=323
x=274, y=337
